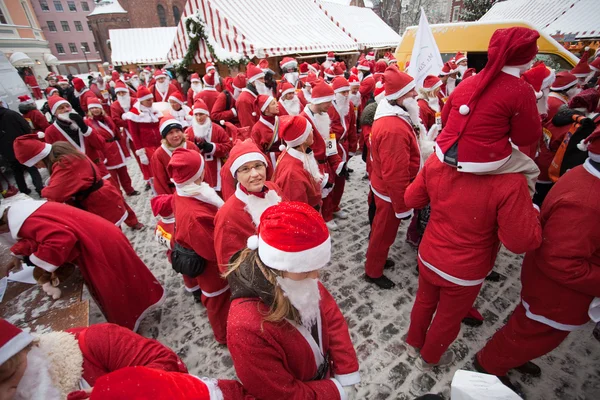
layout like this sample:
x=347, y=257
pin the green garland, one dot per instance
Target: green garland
x=195, y=31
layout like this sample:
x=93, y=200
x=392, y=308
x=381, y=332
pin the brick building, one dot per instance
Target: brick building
x=456, y=10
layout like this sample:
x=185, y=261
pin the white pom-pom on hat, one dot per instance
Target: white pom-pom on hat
x=464, y=109
x=222, y=122
x=252, y=242
x=583, y=145
x=539, y=95
x=41, y=135
x=254, y=113
x=281, y=147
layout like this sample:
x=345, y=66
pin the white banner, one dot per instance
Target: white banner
x=425, y=58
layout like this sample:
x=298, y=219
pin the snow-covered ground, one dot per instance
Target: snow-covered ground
x=378, y=320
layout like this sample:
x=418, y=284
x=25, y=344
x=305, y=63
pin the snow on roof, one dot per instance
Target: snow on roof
x=362, y=24
x=108, y=7
x=141, y=45
x=576, y=18
x=260, y=28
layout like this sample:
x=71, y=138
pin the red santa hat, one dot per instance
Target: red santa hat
x=448, y=68
x=144, y=94
x=286, y=88
x=120, y=87
x=29, y=149
x=397, y=83
x=239, y=82
x=54, y=102
x=380, y=66
x=379, y=91
x=340, y=84
x=62, y=79
x=586, y=100
x=78, y=84
x=168, y=122
x=469, y=73
x=12, y=340
x=115, y=76
x=195, y=77
x=51, y=90
x=370, y=56
x=94, y=103
x=25, y=99
x=392, y=60
x=209, y=79
x=210, y=67
x=162, y=205
x=591, y=144
x=200, y=107
x=353, y=81
x=243, y=152
x=148, y=69
x=126, y=77
x=253, y=73
x=294, y=130
x=303, y=68
x=177, y=97
x=582, y=69
x=431, y=83
x=185, y=167
x=159, y=73
x=329, y=72
x=264, y=65
x=459, y=57
x=513, y=46
x=564, y=80
x=292, y=237
x=263, y=101
x=539, y=77
x=339, y=69
x=288, y=62
x=364, y=66
x=314, y=68
x=595, y=65
x=321, y=93
x=311, y=80
x=150, y=383
x=330, y=56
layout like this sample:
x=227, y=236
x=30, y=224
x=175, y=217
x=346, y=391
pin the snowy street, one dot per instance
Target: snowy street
x=378, y=319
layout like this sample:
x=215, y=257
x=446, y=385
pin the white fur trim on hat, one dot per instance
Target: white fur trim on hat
x=168, y=122
x=300, y=261
x=94, y=105
x=14, y=345
x=290, y=90
x=437, y=85
x=363, y=68
x=320, y=100
x=567, y=86
x=302, y=138
x=409, y=86
x=38, y=157
x=266, y=104
x=195, y=80
x=146, y=97
x=160, y=76
x=243, y=159
x=201, y=111
x=176, y=100
x=58, y=104
x=342, y=89
x=257, y=76
x=121, y=89
x=289, y=64
x=464, y=109
x=354, y=83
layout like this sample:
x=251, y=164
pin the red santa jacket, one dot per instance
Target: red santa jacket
x=505, y=110
x=551, y=139
x=209, y=96
x=303, y=100
x=296, y=183
x=470, y=215
x=221, y=111
x=194, y=229
x=56, y=233
x=115, y=150
x=247, y=110
x=88, y=96
x=426, y=113
x=279, y=361
x=144, y=129
x=345, y=131
x=264, y=135
x=37, y=120
x=561, y=277
x=214, y=160
x=159, y=161
x=366, y=89
x=395, y=157
x=233, y=222
x=158, y=96
x=555, y=101
x=90, y=143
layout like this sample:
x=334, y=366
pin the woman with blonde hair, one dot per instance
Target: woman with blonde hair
x=285, y=332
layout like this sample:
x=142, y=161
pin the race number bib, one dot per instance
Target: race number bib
x=547, y=137
x=163, y=237
x=331, y=145
x=438, y=119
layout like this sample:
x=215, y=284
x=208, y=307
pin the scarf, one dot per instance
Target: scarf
x=202, y=192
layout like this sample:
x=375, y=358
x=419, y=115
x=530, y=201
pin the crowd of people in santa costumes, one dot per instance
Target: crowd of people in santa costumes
x=265, y=132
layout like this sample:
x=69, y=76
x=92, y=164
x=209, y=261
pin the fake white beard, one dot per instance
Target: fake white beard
x=101, y=85
x=462, y=69
x=412, y=107
x=434, y=103
x=202, y=192
x=323, y=124
x=236, y=93
x=125, y=101
x=450, y=85
x=292, y=106
x=65, y=118
x=163, y=87
x=36, y=383
x=135, y=82
x=196, y=87
x=542, y=104
x=292, y=78
x=261, y=88
x=355, y=98
x=361, y=75
x=304, y=296
x=255, y=205
x=342, y=104
x=310, y=164
x=202, y=131
x=574, y=91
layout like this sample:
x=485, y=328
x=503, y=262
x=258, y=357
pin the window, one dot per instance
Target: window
x=59, y=48
x=176, y=14
x=554, y=61
x=71, y=5
x=2, y=17
x=84, y=6
x=78, y=26
x=455, y=13
x=86, y=47
x=65, y=26
x=73, y=48
x=58, y=6
x=89, y=25
x=162, y=15
x=95, y=47
x=51, y=26
x=44, y=6
x=28, y=14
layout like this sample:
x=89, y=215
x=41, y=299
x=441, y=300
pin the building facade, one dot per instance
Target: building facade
x=65, y=25
x=456, y=10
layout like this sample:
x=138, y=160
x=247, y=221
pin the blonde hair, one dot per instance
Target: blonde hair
x=281, y=308
x=90, y=115
x=8, y=368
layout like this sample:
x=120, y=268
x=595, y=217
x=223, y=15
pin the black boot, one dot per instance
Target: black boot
x=197, y=296
x=147, y=187
x=493, y=277
x=530, y=369
x=389, y=263
x=383, y=282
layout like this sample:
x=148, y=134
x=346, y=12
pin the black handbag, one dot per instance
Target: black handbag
x=187, y=262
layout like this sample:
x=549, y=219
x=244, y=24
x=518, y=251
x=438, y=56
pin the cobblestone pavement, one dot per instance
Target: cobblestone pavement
x=378, y=320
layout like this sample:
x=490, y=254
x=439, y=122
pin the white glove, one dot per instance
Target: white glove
x=350, y=392
x=141, y=153
x=433, y=132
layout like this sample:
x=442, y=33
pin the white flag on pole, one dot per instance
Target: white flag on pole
x=425, y=59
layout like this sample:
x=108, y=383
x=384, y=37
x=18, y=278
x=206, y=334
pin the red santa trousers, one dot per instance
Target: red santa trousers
x=449, y=302
x=337, y=193
x=132, y=219
x=327, y=208
x=120, y=176
x=519, y=341
x=383, y=233
x=217, y=303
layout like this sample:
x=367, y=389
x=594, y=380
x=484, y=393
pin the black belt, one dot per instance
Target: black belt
x=322, y=161
x=81, y=195
x=113, y=139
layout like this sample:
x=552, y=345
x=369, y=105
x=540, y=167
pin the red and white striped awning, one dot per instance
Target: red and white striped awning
x=260, y=28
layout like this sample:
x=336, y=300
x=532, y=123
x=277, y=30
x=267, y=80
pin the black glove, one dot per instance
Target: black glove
x=564, y=116
x=78, y=119
x=588, y=124
x=344, y=172
x=329, y=185
x=207, y=147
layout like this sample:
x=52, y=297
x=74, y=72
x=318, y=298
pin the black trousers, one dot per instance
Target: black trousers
x=541, y=191
x=19, y=174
